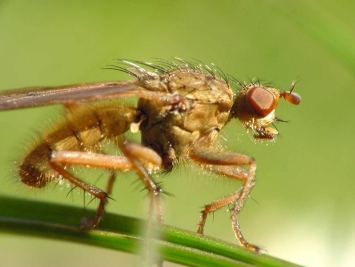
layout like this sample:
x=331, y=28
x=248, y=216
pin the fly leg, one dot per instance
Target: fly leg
x=138, y=155
x=135, y=156
x=60, y=158
x=227, y=164
x=94, y=191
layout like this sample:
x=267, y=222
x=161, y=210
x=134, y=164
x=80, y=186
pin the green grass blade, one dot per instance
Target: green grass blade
x=124, y=233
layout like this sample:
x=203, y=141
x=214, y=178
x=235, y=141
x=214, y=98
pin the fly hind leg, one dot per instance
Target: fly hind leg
x=41, y=166
x=86, y=224
x=136, y=158
x=229, y=165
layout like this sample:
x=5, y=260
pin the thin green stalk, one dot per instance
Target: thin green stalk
x=124, y=233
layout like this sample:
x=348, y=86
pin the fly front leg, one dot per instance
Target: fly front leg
x=229, y=165
x=213, y=206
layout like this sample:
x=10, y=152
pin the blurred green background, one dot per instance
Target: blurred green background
x=301, y=208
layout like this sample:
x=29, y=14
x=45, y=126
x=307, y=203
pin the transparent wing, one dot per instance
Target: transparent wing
x=42, y=96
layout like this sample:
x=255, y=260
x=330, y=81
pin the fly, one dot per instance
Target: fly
x=181, y=109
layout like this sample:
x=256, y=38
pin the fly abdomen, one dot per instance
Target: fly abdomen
x=35, y=170
x=84, y=130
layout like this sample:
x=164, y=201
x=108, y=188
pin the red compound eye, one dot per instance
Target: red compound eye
x=261, y=100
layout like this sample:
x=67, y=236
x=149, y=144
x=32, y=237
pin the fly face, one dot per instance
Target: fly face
x=255, y=107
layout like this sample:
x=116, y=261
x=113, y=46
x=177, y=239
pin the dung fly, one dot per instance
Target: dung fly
x=181, y=109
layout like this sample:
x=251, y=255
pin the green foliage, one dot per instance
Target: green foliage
x=125, y=234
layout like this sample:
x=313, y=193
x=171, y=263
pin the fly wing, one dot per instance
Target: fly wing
x=68, y=94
